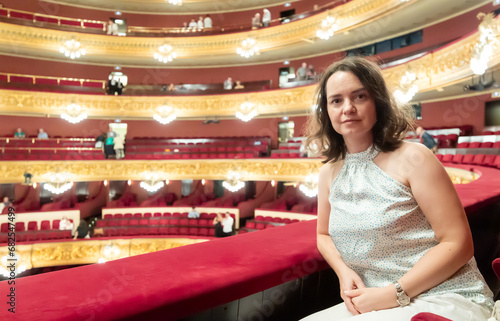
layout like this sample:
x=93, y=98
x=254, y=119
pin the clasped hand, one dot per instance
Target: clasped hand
x=360, y=299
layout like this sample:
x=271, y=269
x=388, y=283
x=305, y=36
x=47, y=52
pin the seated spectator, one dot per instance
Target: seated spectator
x=193, y=25
x=256, y=24
x=109, y=146
x=65, y=224
x=115, y=86
x=228, y=83
x=207, y=23
x=99, y=141
x=185, y=27
x=5, y=203
x=427, y=139
x=302, y=72
x=82, y=231
x=171, y=87
x=42, y=134
x=19, y=133
x=223, y=225
x=238, y=85
x=194, y=213
x=200, y=24
x=311, y=73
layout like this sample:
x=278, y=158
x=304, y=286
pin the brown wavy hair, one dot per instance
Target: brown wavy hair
x=392, y=123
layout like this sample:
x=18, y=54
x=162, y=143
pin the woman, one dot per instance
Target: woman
x=390, y=223
x=82, y=231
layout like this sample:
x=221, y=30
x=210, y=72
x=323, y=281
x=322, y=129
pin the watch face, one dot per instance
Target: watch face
x=403, y=299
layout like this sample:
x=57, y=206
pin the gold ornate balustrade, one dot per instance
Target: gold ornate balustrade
x=86, y=252
x=37, y=80
x=43, y=43
x=440, y=68
x=258, y=169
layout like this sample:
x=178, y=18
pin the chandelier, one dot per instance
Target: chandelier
x=175, y=2
x=165, y=54
x=152, y=183
x=58, y=183
x=327, y=28
x=483, y=49
x=6, y=269
x=233, y=182
x=246, y=112
x=72, y=49
x=248, y=48
x=164, y=115
x=310, y=185
x=407, y=88
x=74, y=114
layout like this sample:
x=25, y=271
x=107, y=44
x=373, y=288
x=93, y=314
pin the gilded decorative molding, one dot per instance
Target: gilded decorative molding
x=90, y=251
x=290, y=101
x=251, y=169
x=38, y=42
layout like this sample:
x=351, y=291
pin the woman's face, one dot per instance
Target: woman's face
x=350, y=107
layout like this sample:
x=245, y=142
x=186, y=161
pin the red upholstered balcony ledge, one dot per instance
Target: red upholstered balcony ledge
x=480, y=193
x=170, y=284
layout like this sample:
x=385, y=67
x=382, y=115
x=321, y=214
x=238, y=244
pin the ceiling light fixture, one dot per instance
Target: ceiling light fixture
x=483, y=49
x=407, y=88
x=246, y=111
x=327, y=28
x=164, y=115
x=58, y=183
x=175, y=2
x=74, y=114
x=152, y=183
x=248, y=48
x=165, y=54
x=310, y=186
x=72, y=49
x=233, y=182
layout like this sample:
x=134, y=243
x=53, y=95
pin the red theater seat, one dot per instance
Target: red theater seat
x=147, y=215
x=487, y=145
x=488, y=160
x=457, y=159
x=110, y=232
x=32, y=226
x=193, y=231
x=118, y=216
x=468, y=159
x=475, y=145
x=133, y=222
x=448, y=158
x=183, y=231
x=20, y=227
x=478, y=159
x=463, y=145
x=66, y=234
x=108, y=216
x=55, y=224
x=100, y=223
x=157, y=214
x=128, y=215
x=144, y=222
x=439, y=157
x=138, y=215
x=203, y=231
x=4, y=228
x=496, y=144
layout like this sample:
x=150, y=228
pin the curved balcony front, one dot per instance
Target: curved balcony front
x=361, y=22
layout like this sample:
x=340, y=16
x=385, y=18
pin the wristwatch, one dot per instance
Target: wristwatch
x=402, y=298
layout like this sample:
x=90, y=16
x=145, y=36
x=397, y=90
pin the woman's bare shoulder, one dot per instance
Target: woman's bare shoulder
x=329, y=171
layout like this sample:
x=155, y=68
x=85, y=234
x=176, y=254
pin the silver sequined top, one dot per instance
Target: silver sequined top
x=381, y=232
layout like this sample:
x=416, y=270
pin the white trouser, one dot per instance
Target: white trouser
x=451, y=306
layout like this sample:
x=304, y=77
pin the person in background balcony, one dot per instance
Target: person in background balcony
x=390, y=223
x=118, y=146
x=65, y=224
x=193, y=25
x=207, y=23
x=42, y=134
x=223, y=224
x=266, y=18
x=228, y=83
x=311, y=73
x=100, y=140
x=82, y=231
x=238, y=85
x=19, y=133
x=193, y=213
x=200, y=24
x=112, y=28
x=427, y=139
x=185, y=27
x=302, y=72
x=5, y=204
x=256, y=24
x=171, y=87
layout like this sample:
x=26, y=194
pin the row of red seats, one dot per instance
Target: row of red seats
x=46, y=143
x=489, y=160
x=32, y=236
x=220, y=149
x=157, y=214
x=490, y=132
x=260, y=218
x=286, y=154
x=193, y=156
x=59, y=156
x=158, y=230
x=164, y=221
x=479, y=145
x=32, y=226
